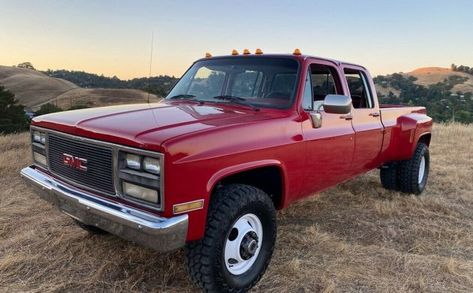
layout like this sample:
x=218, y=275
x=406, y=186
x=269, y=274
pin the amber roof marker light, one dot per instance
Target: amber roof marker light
x=297, y=51
x=258, y=51
x=246, y=52
x=208, y=55
x=234, y=52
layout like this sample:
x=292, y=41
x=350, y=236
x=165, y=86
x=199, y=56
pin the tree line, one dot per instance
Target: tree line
x=442, y=103
x=462, y=68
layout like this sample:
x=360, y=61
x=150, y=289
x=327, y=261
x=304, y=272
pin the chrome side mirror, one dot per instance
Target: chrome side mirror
x=333, y=104
x=316, y=118
x=337, y=104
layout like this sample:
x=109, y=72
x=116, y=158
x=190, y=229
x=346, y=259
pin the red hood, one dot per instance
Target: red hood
x=146, y=126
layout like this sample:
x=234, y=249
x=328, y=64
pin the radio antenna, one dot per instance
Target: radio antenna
x=150, y=64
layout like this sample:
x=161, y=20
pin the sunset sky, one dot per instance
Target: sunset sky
x=114, y=37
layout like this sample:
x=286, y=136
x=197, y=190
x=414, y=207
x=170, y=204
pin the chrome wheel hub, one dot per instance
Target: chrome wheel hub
x=421, y=170
x=243, y=244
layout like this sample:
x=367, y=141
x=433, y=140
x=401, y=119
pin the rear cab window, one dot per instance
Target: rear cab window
x=360, y=91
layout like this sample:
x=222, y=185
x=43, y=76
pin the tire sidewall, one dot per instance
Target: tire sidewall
x=423, y=154
x=264, y=214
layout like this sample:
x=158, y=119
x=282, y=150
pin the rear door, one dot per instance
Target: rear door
x=366, y=119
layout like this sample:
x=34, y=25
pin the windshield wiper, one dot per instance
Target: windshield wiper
x=182, y=97
x=236, y=100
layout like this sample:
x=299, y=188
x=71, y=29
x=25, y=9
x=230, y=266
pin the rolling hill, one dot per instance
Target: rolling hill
x=427, y=76
x=432, y=75
x=33, y=88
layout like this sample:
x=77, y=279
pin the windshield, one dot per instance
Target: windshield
x=254, y=81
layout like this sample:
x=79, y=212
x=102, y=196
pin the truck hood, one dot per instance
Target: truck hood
x=147, y=126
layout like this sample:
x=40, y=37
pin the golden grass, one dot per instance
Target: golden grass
x=355, y=237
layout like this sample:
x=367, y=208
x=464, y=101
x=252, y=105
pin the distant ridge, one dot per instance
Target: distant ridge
x=432, y=75
x=33, y=88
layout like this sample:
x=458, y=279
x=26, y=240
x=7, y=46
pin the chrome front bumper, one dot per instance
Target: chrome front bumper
x=161, y=234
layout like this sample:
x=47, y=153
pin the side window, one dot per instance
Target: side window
x=325, y=81
x=359, y=89
x=307, y=98
x=247, y=83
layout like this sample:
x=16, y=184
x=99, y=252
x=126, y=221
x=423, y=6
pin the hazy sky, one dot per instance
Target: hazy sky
x=114, y=37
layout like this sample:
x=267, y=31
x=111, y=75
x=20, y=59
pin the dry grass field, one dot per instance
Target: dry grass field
x=355, y=237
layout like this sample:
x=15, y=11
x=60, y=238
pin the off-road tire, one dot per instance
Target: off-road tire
x=390, y=176
x=409, y=171
x=205, y=258
x=90, y=229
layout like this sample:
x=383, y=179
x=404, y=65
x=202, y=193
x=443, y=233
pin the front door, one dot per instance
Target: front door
x=329, y=149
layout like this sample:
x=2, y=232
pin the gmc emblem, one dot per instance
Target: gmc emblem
x=74, y=162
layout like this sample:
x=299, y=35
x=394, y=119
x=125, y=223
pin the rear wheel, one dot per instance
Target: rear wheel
x=238, y=241
x=413, y=173
x=389, y=174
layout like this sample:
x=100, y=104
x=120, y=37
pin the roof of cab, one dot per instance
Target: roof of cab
x=292, y=56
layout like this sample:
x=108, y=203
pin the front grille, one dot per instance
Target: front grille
x=99, y=174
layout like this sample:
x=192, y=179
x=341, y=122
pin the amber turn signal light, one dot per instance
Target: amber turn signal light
x=188, y=206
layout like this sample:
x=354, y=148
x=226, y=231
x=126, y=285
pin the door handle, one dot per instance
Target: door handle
x=346, y=117
x=374, y=114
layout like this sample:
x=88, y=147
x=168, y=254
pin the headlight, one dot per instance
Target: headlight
x=39, y=148
x=133, y=161
x=39, y=137
x=152, y=165
x=140, y=177
x=140, y=192
x=40, y=158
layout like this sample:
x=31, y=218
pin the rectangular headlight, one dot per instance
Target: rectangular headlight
x=133, y=161
x=140, y=192
x=39, y=137
x=152, y=165
x=40, y=158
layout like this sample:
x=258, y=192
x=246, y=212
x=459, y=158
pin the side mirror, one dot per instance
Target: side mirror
x=334, y=104
x=337, y=104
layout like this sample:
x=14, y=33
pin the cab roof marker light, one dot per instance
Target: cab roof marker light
x=246, y=52
x=297, y=51
x=234, y=52
x=258, y=51
x=208, y=55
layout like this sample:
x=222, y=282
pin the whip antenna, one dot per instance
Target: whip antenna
x=150, y=64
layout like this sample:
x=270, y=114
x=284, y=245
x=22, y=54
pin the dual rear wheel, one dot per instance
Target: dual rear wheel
x=409, y=176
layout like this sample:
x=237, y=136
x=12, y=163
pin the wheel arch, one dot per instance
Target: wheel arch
x=267, y=175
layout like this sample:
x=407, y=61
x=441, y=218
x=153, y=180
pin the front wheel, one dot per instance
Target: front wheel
x=238, y=241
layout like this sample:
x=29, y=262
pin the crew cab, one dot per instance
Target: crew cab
x=237, y=138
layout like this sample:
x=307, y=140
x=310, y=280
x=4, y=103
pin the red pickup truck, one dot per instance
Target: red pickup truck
x=237, y=138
